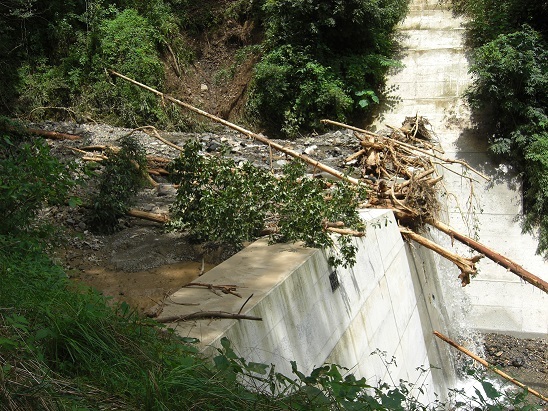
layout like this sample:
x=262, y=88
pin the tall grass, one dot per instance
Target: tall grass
x=66, y=348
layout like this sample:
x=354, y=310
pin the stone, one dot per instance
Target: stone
x=204, y=87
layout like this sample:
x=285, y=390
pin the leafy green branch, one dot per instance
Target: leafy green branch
x=220, y=201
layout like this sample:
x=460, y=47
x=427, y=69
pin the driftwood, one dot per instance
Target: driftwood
x=467, y=266
x=408, y=146
x=54, y=135
x=250, y=134
x=201, y=315
x=489, y=366
x=493, y=255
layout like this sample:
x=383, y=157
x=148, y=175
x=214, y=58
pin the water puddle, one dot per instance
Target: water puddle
x=142, y=289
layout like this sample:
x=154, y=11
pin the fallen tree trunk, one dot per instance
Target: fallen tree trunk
x=467, y=266
x=258, y=137
x=158, y=218
x=492, y=255
x=489, y=366
x=54, y=135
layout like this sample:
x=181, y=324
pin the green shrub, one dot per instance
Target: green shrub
x=122, y=176
x=511, y=79
x=30, y=178
x=221, y=202
x=127, y=43
x=323, y=59
x=292, y=90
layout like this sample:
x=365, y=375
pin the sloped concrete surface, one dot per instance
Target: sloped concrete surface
x=380, y=303
x=432, y=84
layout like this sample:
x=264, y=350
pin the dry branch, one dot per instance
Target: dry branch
x=467, y=266
x=250, y=134
x=200, y=315
x=227, y=289
x=157, y=135
x=489, y=366
x=493, y=255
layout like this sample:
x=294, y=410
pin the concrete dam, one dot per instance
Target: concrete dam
x=396, y=294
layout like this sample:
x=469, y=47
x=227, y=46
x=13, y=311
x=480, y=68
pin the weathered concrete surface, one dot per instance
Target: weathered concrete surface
x=380, y=303
x=431, y=84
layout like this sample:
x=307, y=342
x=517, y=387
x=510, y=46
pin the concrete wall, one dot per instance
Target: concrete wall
x=380, y=303
x=432, y=84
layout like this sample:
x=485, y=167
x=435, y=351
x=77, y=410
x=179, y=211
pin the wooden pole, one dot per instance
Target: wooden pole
x=492, y=255
x=489, y=366
x=467, y=266
x=242, y=130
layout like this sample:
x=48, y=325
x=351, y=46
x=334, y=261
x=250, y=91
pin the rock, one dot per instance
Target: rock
x=518, y=362
x=204, y=87
x=309, y=150
x=498, y=354
x=165, y=190
x=213, y=146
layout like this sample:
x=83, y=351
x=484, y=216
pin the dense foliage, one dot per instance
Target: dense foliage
x=222, y=202
x=323, y=59
x=54, y=54
x=320, y=59
x=510, y=67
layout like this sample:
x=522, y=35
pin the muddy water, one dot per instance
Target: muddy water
x=142, y=289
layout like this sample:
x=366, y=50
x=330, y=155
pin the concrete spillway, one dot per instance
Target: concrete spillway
x=432, y=83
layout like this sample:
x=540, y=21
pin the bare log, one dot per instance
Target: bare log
x=250, y=134
x=200, y=315
x=158, y=218
x=54, y=135
x=492, y=255
x=467, y=266
x=355, y=155
x=489, y=366
x=345, y=231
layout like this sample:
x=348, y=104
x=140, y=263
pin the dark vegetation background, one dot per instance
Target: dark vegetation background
x=307, y=60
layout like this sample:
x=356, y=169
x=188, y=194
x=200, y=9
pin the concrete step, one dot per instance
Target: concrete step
x=432, y=39
x=428, y=5
x=431, y=20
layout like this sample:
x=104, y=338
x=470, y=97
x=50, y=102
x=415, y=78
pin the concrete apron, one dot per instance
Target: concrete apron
x=312, y=313
x=432, y=84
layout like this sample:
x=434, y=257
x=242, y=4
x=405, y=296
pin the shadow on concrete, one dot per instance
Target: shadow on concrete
x=473, y=147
